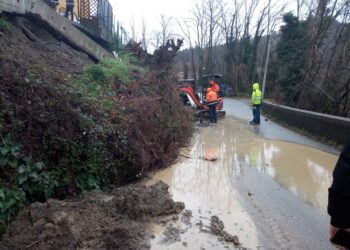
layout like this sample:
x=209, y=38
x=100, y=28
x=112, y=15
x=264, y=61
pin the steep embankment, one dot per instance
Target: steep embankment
x=68, y=125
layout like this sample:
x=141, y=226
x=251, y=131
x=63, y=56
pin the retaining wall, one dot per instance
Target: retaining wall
x=326, y=126
x=59, y=23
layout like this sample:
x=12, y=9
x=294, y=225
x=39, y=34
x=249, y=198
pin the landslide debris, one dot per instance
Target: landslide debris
x=98, y=220
x=68, y=125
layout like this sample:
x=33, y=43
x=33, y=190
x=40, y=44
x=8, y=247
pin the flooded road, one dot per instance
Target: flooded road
x=305, y=171
x=272, y=194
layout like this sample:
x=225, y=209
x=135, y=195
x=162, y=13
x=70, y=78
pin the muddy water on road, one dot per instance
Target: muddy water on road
x=208, y=187
x=305, y=171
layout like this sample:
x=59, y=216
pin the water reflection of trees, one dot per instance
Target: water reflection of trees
x=208, y=183
x=305, y=171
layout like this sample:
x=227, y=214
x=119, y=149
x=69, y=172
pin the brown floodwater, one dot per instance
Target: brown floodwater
x=305, y=171
x=208, y=187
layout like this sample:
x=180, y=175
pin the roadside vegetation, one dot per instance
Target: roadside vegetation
x=4, y=25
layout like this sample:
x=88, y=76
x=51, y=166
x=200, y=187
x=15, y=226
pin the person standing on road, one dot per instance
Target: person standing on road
x=339, y=195
x=211, y=100
x=70, y=9
x=256, y=102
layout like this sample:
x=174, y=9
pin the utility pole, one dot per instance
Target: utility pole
x=269, y=28
x=266, y=65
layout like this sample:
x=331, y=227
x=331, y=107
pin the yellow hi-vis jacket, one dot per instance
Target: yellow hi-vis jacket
x=256, y=95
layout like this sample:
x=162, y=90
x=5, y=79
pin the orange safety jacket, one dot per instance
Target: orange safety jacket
x=211, y=97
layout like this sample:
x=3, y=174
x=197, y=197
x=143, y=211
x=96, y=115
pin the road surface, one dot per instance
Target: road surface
x=267, y=184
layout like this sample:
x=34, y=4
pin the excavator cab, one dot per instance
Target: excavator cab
x=205, y=84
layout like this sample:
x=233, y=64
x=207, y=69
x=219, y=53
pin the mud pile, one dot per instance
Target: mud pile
x=217, y=228
x=98, y=220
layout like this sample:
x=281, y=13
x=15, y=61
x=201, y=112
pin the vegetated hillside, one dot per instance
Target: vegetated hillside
x=68, y=125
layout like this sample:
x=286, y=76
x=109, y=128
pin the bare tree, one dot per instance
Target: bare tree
x=145, y=40
x=259, y=30
x=133, y=30
x=199, y=20
x=326, y=13
x=213, y=18
x=165, y=23
x=274, y=16
x=236, y=32
x=186, y=27
x=156, y=40
x=300, y=6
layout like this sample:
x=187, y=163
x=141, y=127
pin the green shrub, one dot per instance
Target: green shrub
x=87, y=182
x=4, y=24
x=97, y=84
x=105, y=72
x=11, y=201
x=22, y=181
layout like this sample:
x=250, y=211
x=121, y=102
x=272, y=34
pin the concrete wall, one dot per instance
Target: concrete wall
x=15, y=6
x=327, y=126
x=59, y=23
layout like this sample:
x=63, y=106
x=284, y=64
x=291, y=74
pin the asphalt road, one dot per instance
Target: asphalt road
x=266, y=183
x=240, y=108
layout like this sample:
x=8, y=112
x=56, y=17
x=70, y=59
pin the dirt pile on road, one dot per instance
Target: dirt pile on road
x=115, y=220
x=217, y=228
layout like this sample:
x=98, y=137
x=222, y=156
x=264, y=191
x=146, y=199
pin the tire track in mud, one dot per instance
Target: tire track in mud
x=264, y=219
x=271, y=228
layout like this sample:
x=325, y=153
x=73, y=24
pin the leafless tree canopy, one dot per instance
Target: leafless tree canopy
x=242, y=39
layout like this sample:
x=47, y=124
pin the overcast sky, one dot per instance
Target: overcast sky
x=151, y=10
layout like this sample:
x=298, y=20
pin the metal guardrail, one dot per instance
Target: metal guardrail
x=94, y=16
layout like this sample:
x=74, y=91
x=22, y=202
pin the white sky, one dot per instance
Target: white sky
x=151, y=10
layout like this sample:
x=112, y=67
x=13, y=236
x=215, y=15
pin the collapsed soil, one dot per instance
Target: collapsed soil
x=98, y=220
x=37, y=49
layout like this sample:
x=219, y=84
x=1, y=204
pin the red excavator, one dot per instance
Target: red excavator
x=186, y=89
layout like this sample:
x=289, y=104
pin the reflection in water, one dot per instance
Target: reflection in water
x=208, y=188
x=305, y=171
